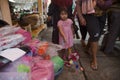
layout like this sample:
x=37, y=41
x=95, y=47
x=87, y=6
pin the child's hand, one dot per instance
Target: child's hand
x=65, y=40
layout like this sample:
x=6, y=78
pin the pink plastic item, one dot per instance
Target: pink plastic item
x=26, y=34
x=42, y=70
x=33, y=45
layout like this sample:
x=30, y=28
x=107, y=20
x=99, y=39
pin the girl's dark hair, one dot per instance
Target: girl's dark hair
x=63, y=10
x=3, y=23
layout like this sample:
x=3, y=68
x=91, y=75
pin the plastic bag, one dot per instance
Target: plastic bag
x=14, y=76
x=42, y=48
x=10, y=41
x=8, y=30
x=58, y=63
x=26, y=34
x=42, y=70
x=33, y=45
x=15, y=66
x=53, y=49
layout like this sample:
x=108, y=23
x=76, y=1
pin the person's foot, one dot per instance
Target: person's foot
x=94, y=65
x=67, y=64
x=109, y=53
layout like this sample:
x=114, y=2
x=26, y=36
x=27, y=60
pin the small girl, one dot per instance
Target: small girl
x=65, y=31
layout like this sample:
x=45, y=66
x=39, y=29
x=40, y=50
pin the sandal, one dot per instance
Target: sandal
x=67, y=64
x=94, y=66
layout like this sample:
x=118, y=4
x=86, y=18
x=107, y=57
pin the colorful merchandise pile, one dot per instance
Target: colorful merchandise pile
x=41, y=60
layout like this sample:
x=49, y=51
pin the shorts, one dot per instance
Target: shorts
x=93, y=27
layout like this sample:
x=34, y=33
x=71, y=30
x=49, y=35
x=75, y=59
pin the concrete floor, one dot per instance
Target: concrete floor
x=108, y=65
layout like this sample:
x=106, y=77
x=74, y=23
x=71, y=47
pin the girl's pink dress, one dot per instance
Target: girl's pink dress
x=66, y=27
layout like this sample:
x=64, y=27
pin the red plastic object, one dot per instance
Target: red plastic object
x=42, y=49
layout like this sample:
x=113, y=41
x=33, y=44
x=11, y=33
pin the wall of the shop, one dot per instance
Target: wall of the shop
x=5, y=11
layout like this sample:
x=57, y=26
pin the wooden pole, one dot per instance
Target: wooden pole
x=40, y=10
x=5, y=11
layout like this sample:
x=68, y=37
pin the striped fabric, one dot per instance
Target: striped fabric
x=87, y=7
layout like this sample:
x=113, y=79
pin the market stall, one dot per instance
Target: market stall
x=22, y=55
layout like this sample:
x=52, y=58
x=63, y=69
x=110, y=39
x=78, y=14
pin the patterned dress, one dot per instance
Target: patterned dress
x=66, y=27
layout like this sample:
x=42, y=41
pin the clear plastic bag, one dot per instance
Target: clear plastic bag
x=8, y=30
x=53, y=49
x=10, y=41
x=14, y=76
x=26, y=34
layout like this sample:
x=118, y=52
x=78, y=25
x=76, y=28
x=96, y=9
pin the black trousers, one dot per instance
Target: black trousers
x=83, y=30
x=113, y=31
x=102, y=21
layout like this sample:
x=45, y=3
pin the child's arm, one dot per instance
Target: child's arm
x=61, y=32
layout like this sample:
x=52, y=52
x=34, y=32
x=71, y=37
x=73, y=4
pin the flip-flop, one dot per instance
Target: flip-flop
x=67, y=64
x=93, y=66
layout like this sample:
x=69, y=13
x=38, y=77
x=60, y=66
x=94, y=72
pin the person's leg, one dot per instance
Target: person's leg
x=69, y=51
x=75, y=28
x=94, y=50
x=113, y=32
x=105, y=38
x=93, y=29
x=102, y=21
x=87, y=48
x=55, y=33
x=77, y=35
x=83, y=31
